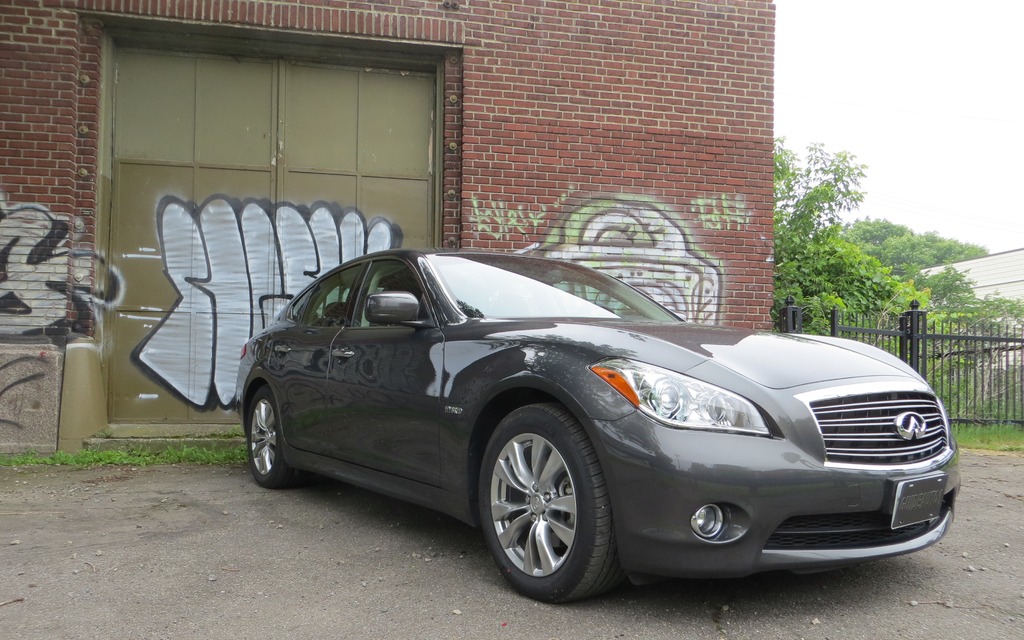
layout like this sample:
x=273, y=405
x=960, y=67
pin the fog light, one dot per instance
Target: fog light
x=707, y=522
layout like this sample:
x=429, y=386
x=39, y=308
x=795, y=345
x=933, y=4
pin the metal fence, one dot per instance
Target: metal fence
x=977, y=372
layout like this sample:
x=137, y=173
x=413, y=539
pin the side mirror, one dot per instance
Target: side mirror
x=392, y=307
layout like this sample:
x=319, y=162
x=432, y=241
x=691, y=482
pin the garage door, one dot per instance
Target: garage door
x=235, y=182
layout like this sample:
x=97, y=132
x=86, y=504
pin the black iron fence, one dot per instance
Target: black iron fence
x=978, y=373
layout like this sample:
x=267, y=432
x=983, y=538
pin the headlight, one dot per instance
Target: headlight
x=678, y=400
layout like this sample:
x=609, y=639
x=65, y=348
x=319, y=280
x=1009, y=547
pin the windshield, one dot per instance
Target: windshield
x=513, y=286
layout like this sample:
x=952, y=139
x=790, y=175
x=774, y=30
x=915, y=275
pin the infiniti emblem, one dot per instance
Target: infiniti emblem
x=910, y=425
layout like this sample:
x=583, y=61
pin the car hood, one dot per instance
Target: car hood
x=776, y=361
x=781, y=361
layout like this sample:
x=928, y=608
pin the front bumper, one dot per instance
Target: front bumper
x=770, y=489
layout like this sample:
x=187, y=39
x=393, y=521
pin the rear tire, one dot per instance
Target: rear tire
x=544, y=507
x=265, y=445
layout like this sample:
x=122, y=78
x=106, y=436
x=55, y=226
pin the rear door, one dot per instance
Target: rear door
x=300, y=357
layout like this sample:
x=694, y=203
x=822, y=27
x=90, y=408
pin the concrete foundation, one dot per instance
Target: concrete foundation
x=30, y=390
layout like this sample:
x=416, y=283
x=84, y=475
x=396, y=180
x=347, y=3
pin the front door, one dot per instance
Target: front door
x=384, y=386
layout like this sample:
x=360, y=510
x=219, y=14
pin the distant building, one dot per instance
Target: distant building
x=1000, y=274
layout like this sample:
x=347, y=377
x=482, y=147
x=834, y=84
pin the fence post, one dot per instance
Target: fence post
x=835, y=322
x=912, y=324
x=791, y=317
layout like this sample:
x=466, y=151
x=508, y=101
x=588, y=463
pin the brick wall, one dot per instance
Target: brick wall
x=645, y=121
x=39, y=67
x=634, y=136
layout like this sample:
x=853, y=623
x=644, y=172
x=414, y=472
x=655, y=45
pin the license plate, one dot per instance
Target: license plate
x=918, y=500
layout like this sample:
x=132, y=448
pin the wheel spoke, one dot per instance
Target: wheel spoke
x=263, y=456
x=542, y=549
x=564, y=504
x=504, y=472
x=501, y=510
x=519, y=466
x=510, y=536
x=564, y=532
x=540, y=453
x=553, y=468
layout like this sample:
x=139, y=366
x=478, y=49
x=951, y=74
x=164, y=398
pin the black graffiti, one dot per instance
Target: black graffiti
x=30, y=236
x=34, y=250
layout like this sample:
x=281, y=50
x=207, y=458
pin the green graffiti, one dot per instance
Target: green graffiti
x=721, y=213
x=643, y=226
x=504, y=221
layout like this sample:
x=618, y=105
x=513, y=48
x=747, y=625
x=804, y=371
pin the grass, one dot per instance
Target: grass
x=990, y=437
x=135, y=458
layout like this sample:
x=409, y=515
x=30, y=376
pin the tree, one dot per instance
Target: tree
x=813, y=263
x=905, y=251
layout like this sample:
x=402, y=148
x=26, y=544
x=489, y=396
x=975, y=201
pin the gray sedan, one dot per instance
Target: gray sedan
x=592, y=435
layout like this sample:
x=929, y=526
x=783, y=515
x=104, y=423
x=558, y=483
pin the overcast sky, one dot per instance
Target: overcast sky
x=928, y=94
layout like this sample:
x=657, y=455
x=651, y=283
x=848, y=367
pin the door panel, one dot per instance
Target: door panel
x=155, y=90
x=323, y=119
x=137, y=396
x=383, y=404
x=135, y=240
x=300, y=358
x=402, y=199
x=311, y=187
x=395, y=125
x=235, y=112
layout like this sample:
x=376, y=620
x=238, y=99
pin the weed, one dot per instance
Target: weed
x=137, y=458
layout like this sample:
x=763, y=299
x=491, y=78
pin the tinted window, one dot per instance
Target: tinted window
x=512, y=286
x=329, y=303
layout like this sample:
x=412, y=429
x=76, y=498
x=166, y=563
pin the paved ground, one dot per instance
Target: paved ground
x=199, y=552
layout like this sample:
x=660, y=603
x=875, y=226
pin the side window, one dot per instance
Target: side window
x=390, y=275
x=330, y=302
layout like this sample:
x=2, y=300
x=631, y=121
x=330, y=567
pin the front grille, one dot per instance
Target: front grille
x=861, y=429
x=844, y=531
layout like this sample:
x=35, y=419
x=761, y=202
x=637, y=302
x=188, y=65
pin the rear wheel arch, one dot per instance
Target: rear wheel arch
x=250, y=391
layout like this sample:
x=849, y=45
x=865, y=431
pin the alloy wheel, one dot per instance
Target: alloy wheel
x=533, y=505
x=263, y=442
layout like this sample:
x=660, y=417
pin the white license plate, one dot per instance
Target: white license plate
x=918, y=500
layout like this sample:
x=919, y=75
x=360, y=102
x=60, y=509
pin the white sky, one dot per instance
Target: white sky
x=928, y=94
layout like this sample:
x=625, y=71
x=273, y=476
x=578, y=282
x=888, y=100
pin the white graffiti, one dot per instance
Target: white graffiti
x=233, y=264
x=639, y=242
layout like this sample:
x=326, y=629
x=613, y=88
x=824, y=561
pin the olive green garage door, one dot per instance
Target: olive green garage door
x=234, y=183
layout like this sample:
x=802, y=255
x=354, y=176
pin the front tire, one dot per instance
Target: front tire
x=544, y=507
x=264, y=444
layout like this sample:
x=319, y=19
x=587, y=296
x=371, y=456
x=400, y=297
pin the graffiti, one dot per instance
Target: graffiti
x=233, y=264
x=639, y=242
x=503, y=221
x=721, y=213
x=33, y=267
x=34, y=288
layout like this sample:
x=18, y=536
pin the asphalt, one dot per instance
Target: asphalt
x=202, y=552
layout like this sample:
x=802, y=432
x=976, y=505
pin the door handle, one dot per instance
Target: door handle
x=343, y=352
x=282, y=349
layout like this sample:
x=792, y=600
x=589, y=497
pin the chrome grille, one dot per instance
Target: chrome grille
x=861, y=429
